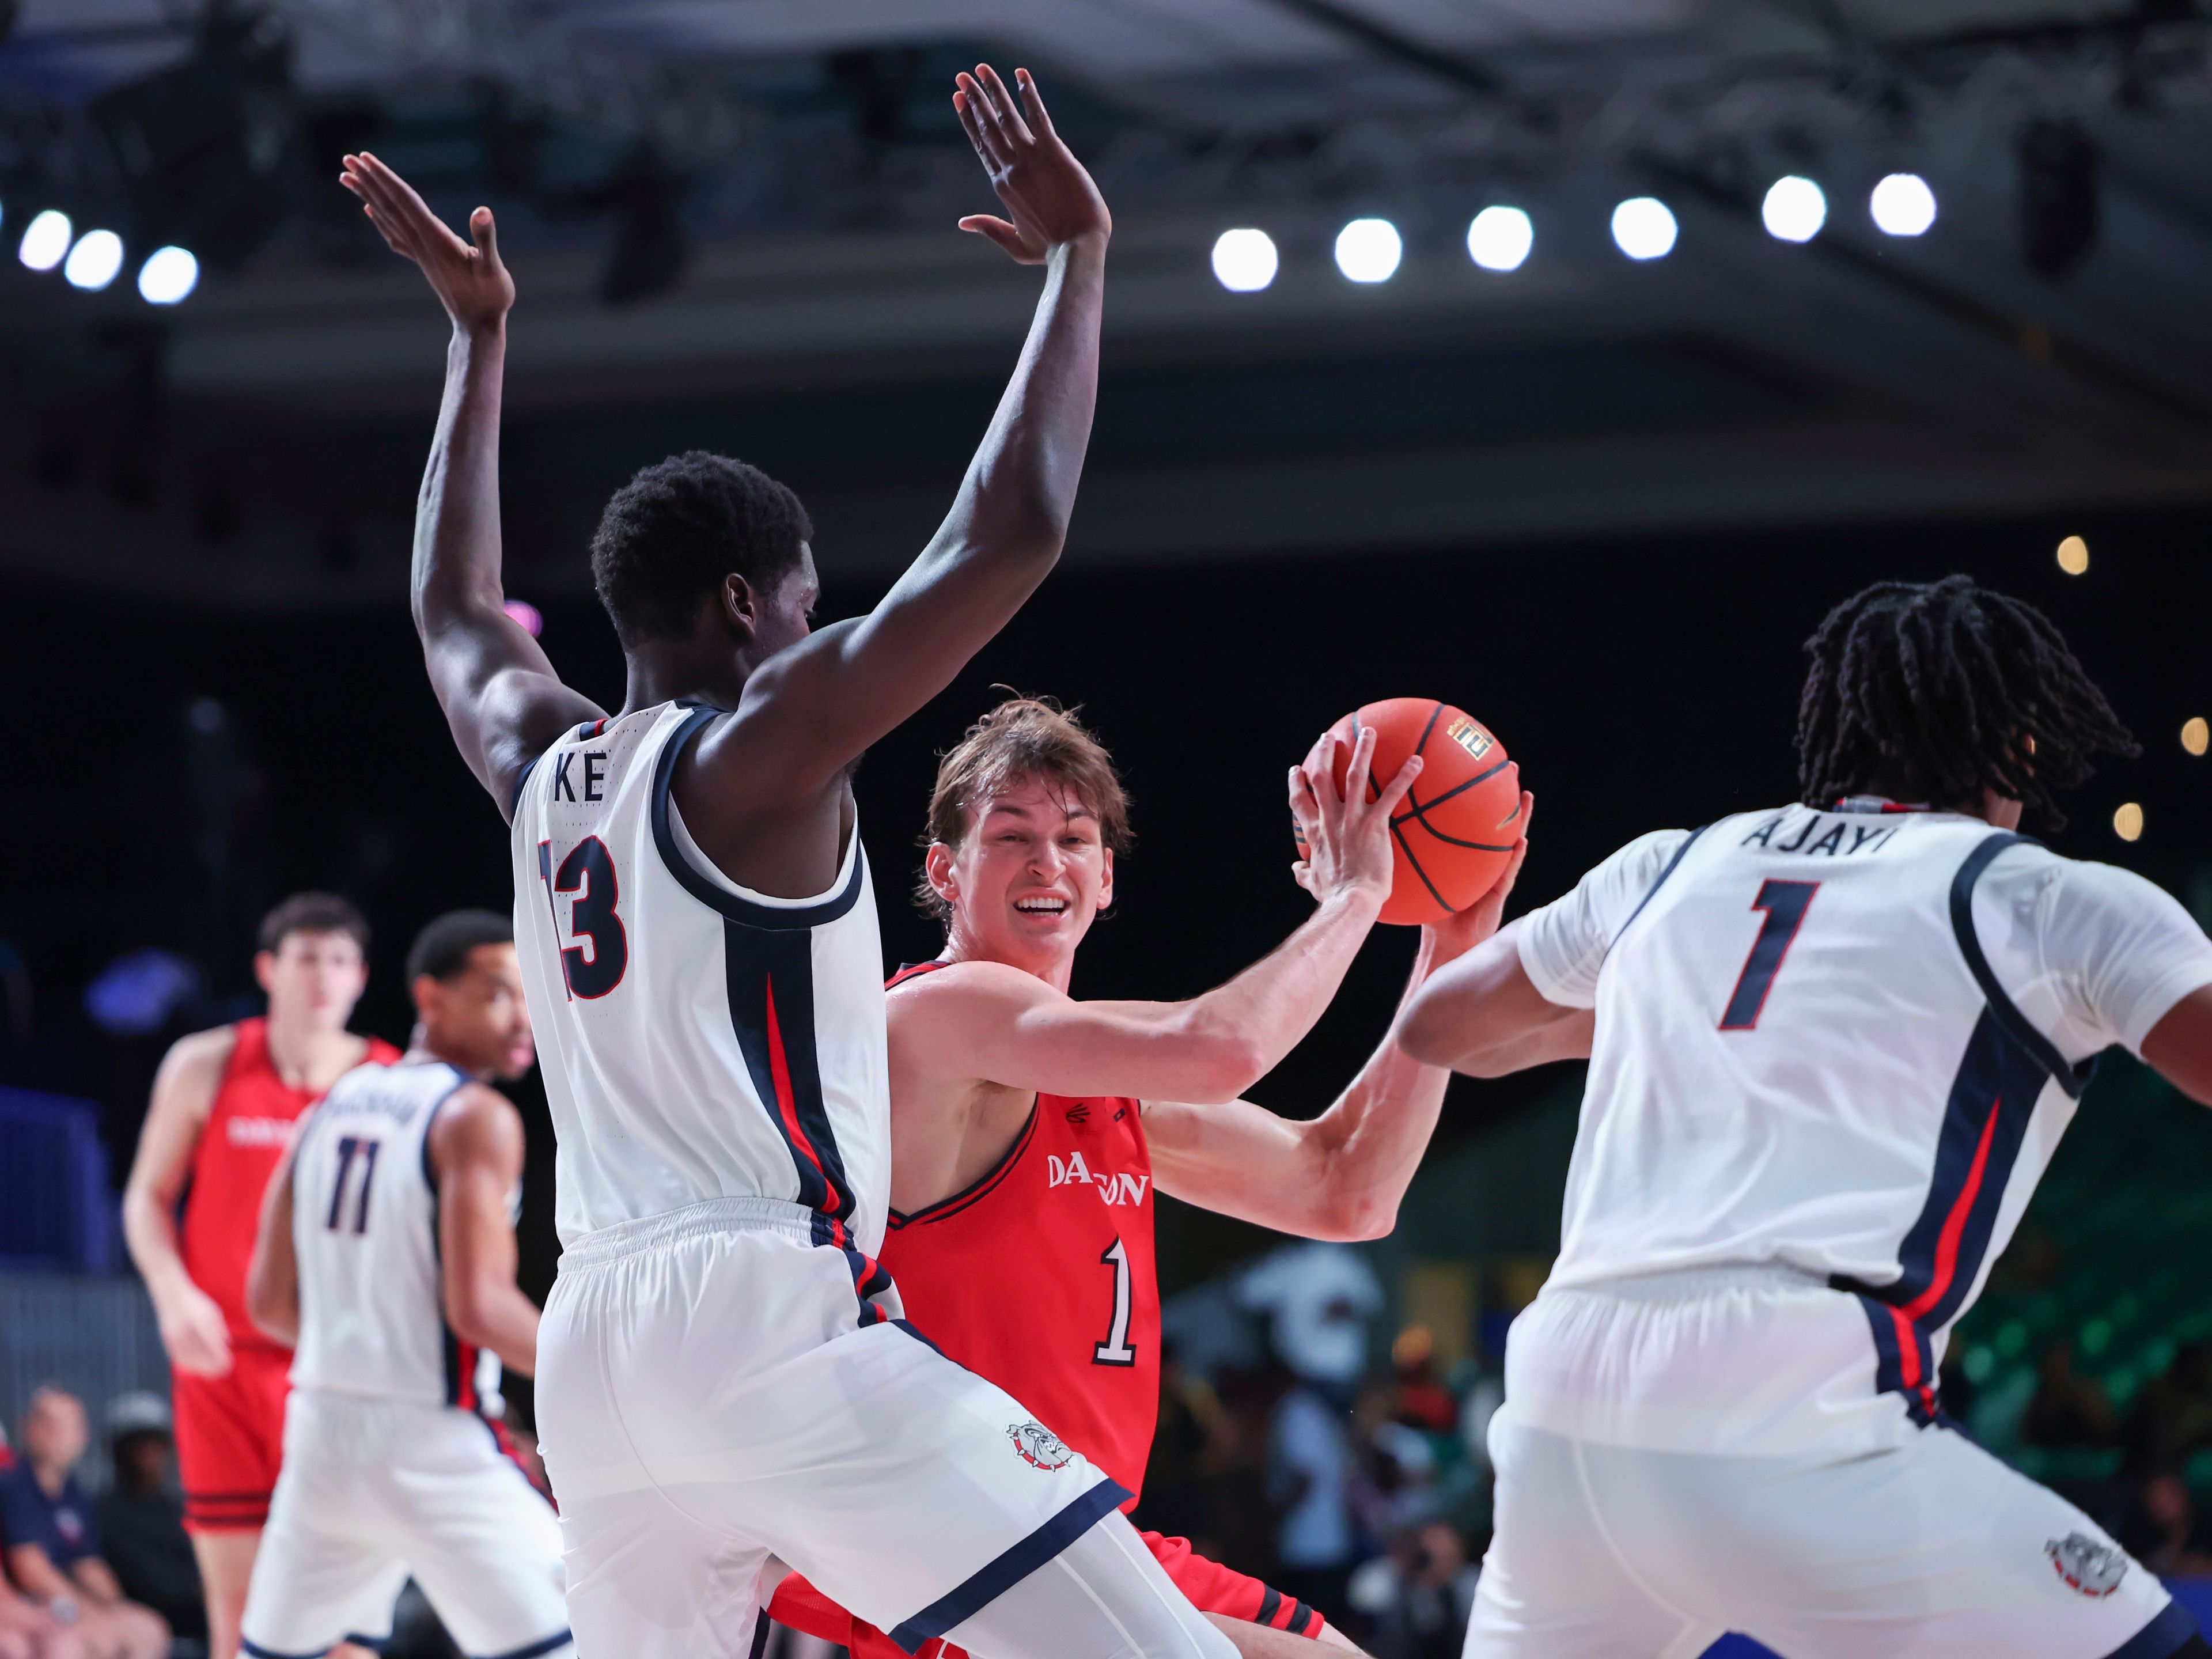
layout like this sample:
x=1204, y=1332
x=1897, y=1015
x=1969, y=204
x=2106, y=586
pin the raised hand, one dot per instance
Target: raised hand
x=470, y=280
x=1457, y=934
x=1051, y=198
x=1346, y=837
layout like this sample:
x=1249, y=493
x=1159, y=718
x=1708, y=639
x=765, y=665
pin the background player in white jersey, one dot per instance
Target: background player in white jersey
x=1832, y=1047
x=386, y=1257
x=724, y=1376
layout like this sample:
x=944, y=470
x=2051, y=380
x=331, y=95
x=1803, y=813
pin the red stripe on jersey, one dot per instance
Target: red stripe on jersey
x=1954, y=1224
x=786, y=1105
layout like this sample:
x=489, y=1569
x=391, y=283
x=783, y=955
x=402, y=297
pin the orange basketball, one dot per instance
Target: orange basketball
x=1452, y=835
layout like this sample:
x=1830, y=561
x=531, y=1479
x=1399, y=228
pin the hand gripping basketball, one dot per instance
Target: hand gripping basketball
x=1453, y=833
x=1342, y=817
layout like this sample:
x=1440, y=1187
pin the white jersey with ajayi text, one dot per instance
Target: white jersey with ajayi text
x=1842, y=1043
x=700, y=1041
x=365, y=1230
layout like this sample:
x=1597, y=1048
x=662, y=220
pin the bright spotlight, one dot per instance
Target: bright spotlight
x=1903, y=205
x=2128, y=821
x=46, y=240
x=1794, y=209
x=94, y=260
x=1244, y=261
x=1644, y=228
x=168, y=275
x=2074, y=556
x=1368, y=249
x=1500, y=237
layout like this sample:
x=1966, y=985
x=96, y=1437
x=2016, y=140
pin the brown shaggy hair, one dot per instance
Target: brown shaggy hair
x=1023, y=739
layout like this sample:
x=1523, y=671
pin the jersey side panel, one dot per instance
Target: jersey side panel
x=1042, y=1278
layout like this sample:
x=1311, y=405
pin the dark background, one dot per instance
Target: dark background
x=1638, y=686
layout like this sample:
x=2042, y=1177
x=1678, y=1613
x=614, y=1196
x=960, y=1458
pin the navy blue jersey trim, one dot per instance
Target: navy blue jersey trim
x=560, y=1638
x=774, y=918
x=760, y=1634
x=521, y=778
x=1271, y=1603
x=771, y=982
x=983, y=1186
x=2072, y=1078
x=1681, y=852
x=2162, y=1638
x=990, y=1582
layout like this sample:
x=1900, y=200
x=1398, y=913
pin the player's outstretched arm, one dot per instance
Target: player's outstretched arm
x=476, y=1148
x=816, y=708
x=1342, y=1174
x=192, y=1325
x=501, y=697
x=984, y=1021
x=272, y=1277
x=2179, y=1047
x=1483, y=1016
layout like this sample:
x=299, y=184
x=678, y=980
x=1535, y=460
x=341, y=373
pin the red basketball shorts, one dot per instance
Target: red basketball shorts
x=230, y=1439
x=1210, y=1587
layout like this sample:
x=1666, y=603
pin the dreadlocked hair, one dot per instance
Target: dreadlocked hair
x=1935, y=691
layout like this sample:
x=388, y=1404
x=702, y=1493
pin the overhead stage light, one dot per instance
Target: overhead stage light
x=46, y=240
x=1368, y=249
x=1644, y=228
x=1500, y=237
x=1794, y=209
x=1903, y=205
x=168, y=275
x=1244, y=261
x=94, y=260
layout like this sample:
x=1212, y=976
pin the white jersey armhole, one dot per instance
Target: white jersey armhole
x=707, y=870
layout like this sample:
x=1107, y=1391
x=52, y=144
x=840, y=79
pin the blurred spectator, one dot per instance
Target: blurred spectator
x=2068, y=1409
x=1418, y=1597
x=1310, y=1470
x=2161, y=1529
x=1318, y=1297
x=2173, y=1417
x=142, y=1518
x=1175, y=1501
x=1422, y=1401
x=53, y=1544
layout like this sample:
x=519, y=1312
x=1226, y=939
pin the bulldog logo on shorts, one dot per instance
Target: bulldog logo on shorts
x=1038, y=1446
x=2092, y=1568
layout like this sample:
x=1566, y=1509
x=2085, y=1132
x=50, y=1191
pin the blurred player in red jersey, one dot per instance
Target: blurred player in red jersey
x=224, y=1108
x=1029, y=1131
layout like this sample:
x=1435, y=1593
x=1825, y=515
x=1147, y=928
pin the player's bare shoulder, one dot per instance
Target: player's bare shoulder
x=934, y=1016
x=192, y=1069
x=477, y=1124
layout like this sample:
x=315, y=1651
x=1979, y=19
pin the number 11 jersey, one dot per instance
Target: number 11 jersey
x=1843, y=1040
x=700, y=1041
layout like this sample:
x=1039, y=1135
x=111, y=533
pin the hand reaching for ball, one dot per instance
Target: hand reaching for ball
x=1344, y=836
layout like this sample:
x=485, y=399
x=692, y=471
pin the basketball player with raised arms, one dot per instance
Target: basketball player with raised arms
x=1832, y=1047
x=1029, y=1131
x=225, y=1104
x=724, y=1376
x=386, y=1258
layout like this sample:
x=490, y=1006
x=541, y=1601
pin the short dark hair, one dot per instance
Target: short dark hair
x=1935, y=691
x=441, y=949
x=672, y=533
x=312, y=913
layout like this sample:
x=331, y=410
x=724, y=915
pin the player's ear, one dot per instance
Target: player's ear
x=738, y=606
x=265, y=968
x=937, y=865
x=1106, y=878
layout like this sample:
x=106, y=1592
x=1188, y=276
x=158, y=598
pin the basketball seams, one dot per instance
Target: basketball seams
x=1407, y=847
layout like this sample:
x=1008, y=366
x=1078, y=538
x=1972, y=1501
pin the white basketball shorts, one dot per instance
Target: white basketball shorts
x=1655, y=1491
x=374, y=1490
x=713, y=1393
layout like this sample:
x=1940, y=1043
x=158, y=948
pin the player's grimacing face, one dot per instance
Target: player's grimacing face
x=477, y=1018
x=320, y=976
x=1032, y=873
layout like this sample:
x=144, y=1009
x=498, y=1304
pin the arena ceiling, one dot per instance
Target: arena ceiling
x=765, y=188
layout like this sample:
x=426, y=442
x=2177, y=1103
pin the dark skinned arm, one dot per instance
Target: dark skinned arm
x=476, y=1148
x=813, y=709
x=501, y=697
x=2179, y=1047
x=1483, y=1015
x=272, y=1277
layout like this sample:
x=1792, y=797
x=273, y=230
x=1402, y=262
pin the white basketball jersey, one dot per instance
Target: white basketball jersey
x=700, y=1041
x=1847, y=1041
x=365, y=1229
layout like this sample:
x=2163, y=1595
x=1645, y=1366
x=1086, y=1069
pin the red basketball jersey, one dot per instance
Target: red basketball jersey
x=247, y=1130
x=1040, y=1276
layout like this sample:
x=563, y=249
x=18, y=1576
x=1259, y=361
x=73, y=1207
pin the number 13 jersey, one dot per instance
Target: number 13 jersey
x=1844, y=1042
x=700, y=1041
